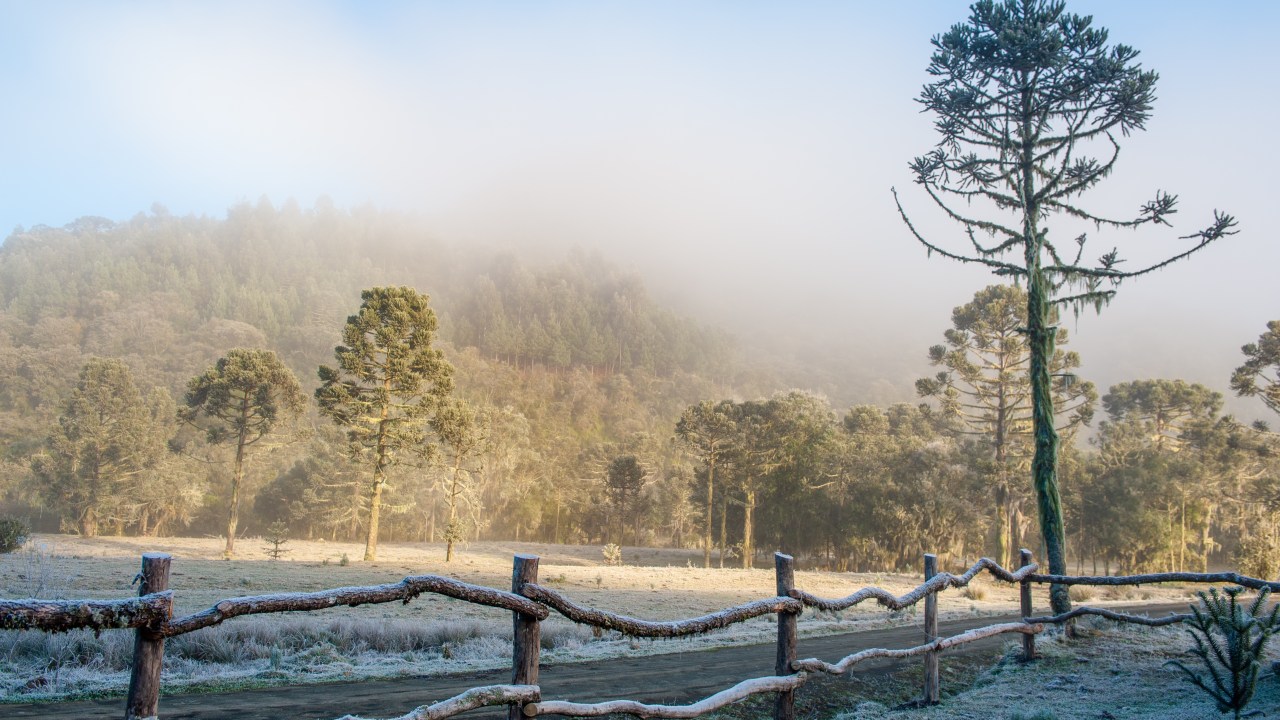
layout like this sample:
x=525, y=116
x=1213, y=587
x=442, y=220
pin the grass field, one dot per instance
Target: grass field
x=431, y=635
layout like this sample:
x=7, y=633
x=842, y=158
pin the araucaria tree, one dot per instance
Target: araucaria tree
x=388, y=382
x=1029, y=101
x=983, y=388
x=244, y=397
x=1260, y=373
x=708, y=429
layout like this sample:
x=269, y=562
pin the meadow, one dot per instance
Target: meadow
x=431, y=635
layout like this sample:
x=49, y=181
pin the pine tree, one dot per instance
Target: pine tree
x=1029, y=100
x=244, y=398
x=709, y=431
x=388, y=382
x=105, y=440
x=1260, y=373
x=985, y=387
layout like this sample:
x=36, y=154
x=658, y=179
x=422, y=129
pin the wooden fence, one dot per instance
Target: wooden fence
x=151, y=616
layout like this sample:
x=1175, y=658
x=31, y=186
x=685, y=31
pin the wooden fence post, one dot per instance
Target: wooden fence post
x=784, y=707
x=932, y=681
x=526, y=638
x=1028, y=640
x=148, y=645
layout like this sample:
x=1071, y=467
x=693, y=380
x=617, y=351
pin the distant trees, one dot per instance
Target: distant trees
x=985, y=388
x=242, y=399
x=624, y=479
x=465, y=435
x=105, y=442
x=1029, y=100
x=709, y=431
x=388, y=381
x=1259, y=376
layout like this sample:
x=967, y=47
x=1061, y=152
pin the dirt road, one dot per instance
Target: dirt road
x=674, y=678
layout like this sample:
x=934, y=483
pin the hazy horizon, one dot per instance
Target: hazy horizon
x=738, y=157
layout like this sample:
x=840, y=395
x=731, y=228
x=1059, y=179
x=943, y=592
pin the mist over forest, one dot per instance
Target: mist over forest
x=573, y=369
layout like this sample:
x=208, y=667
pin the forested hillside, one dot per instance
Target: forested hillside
x=566, y=357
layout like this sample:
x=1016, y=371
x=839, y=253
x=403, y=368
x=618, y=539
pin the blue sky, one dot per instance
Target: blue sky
x=745, y=149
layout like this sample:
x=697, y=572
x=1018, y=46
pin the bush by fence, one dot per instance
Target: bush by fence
x=150, y=616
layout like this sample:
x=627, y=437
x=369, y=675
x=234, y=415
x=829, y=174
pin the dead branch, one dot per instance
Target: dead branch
x=476, y=697
x=1230, y=578
x=938, y=583
x=1169, y=619
x=63, y=615
x=816, y=665
x=404, y=591
x=647, y=628
x=738, y=692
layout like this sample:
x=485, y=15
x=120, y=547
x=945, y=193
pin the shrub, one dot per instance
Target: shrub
x=13, y=534
x=1257, y=558
x=975, y=592
x=1081, y=593
x=1230, y=640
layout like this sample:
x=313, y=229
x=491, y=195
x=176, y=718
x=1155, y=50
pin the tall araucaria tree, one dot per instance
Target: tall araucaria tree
x=1029, y=101
x=244, y=397
x=388, y=383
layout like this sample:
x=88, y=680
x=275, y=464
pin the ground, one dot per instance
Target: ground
x=436, y=635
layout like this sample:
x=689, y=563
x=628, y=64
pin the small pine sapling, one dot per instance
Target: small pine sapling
x=1230, y=640
x=276, y=536
x=612, y=554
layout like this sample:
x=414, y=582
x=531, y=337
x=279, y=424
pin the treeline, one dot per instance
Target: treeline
x=1168, y=483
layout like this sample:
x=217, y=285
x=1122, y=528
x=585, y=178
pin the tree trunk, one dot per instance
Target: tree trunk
x=233, y=512
x=748, y=551
x=706, y=531
x=1044, y=466
x=1004, y=534
x=89, y=523
x=375, y=504
x=724, y=535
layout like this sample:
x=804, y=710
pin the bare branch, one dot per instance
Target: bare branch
x=815, y=665
x=404, y=591
x=476, y=697
x=647, y=628
x=741, y=691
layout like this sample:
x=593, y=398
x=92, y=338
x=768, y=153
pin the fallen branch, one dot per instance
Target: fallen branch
x=1169, y=619
x=63, y=615
x=476, y=697
x=816, y=665
x=647, y=628
x=738, y=692
x=936, y=584
x=1229, y=578
x=404, y=591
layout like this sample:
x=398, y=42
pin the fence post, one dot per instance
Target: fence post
x=932, y=685
x=148, y=645
x=784, y=707
x=1028, y=640
x=526, y=637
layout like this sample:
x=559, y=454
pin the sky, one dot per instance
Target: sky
x=738, y=155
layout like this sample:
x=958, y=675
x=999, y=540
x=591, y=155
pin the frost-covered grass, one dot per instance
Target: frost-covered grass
x=431, y=635
x=1113, y=672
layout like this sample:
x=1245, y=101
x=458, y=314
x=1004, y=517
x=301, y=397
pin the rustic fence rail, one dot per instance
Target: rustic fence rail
x=150, y=616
